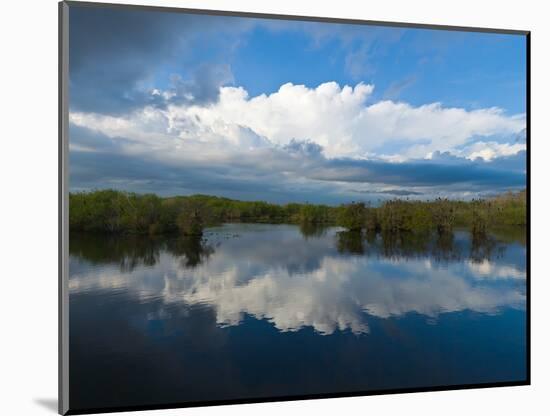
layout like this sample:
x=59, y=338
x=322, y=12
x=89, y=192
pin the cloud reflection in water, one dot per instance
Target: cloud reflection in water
x=274, y=273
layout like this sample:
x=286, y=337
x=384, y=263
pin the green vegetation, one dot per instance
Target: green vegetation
x=191, y=217
x=441, y=215
x=122, y=212
x=353, y=216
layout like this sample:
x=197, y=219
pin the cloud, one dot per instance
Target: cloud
x=490, y=150
x=337, y=118
x=396, y=192
x=133, y=52
x=358, y=62
x=117, y=69
x=106, y=68
x=203, y=88
x=342, y=121
x=298, y=171
x=362, y=45
x=418, y=173
x=303, y=141
x=396, y=88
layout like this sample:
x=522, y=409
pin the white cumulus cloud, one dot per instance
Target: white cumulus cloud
x=340, y=119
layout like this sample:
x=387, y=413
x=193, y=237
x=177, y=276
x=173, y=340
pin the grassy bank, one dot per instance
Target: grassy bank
x=114, y=211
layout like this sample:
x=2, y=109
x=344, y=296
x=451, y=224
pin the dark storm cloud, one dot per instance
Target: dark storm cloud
x=115, y=54
x=298, y=171
x=307, y=159
x=304, y=148
x=111, y=50
x=425, y=172
x=394, y=192
x=86, y=139
x=203, y=87
x=111, y=169
x=445, y=171
x=91, y=171
x=98, y=162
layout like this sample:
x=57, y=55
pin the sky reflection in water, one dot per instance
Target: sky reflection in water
x=273, y=273
x=273, y=310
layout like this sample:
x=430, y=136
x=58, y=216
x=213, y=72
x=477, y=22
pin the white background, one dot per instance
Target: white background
x=28, y=204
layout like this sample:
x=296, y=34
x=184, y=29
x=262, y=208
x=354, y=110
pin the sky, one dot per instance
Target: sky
x=291, y=111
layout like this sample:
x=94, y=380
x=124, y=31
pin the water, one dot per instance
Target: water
x=257, y=311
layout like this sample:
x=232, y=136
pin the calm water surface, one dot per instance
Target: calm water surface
x=255, y=311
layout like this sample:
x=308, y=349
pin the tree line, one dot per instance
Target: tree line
x=115, y=211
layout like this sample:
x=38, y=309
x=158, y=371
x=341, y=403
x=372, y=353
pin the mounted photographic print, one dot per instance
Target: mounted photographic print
x=263, y=207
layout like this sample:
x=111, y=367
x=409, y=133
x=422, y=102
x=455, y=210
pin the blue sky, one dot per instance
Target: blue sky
x=470, y=70
x=292, y=111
